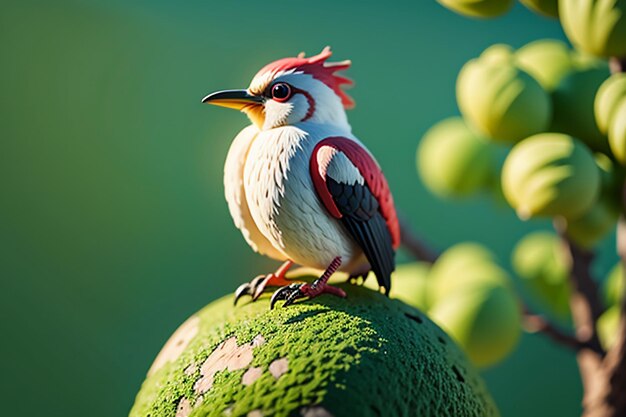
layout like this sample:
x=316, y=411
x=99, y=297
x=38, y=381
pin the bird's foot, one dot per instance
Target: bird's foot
x=258, y=284
x=295, y=291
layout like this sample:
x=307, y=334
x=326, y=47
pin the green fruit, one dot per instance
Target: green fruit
x=460, y=258
x=600, y=220
x=454, y=161
x=315, y=357
x=501, y=101
x=614, y=286
x=611, y=178
x=545, y=7
x=445, y=283
x=594, y=225
x=478, y=8
x=498, y=53
x=573, y=103
x=610, y=94
x=462, y=265
x=410, y=284
x=550, y=174
x=484, y=319
x=617, y=133
x=547, y=60
x=595, y=26
x=539, y=261
x=608, y=325
x=471, y=296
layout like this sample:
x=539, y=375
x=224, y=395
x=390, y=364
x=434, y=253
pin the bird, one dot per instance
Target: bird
x=300, y=187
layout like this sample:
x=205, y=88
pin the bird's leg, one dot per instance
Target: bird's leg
x=292, y=292
x=257, y=286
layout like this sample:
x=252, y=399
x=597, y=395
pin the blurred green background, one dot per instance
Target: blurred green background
x=113, y=224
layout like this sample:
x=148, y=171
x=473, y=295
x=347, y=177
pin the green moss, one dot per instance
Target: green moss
x=365, y=355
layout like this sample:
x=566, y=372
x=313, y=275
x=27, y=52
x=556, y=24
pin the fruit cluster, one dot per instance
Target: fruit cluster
x=544, y=126
x=536, y=104
x=469, y=295
x=473, y=299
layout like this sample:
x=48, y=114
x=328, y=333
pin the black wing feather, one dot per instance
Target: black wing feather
x=364, y=222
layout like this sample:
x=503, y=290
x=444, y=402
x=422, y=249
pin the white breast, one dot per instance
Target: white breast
x=283, y=201
x=236, y=198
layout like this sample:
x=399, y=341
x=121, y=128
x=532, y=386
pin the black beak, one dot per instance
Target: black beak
x=233, y=99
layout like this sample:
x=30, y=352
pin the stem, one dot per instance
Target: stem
x=605, y=396
x=534, y=323
x=586, y=308
x=585, y=301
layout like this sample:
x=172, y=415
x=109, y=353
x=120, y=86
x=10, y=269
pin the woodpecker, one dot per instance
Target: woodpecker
x=300, y=186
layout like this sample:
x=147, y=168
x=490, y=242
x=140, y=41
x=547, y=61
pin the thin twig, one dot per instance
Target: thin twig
x=534, y=323
x=418, y=248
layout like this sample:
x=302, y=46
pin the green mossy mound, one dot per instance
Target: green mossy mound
x=366, y=355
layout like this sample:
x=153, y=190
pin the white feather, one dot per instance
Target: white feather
x=339, y=167
x=236, y=198
x=283, y=201
x=328, y=107
x=267, y=178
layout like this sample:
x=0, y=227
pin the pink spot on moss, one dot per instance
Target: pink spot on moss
x=226, y=356
x=258, y=340
x=279, y=367
x=191, y=369
x=251, y=375
x=315, y=411
x=184, y=408
x=203, y=384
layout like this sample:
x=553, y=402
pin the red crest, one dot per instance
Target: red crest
x=319, y=69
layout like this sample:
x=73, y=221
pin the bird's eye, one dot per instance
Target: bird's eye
x=281, y=92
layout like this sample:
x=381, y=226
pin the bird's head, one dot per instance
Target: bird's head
x=292, y=90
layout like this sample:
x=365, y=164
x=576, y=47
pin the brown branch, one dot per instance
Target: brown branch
x=586, y=308
x=614, y=395
x=534, y=323
x=607, y=398
x=418, y=248
x=605, y=391
x=585, y=301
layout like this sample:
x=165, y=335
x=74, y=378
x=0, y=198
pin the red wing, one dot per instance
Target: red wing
x=371, y=172
x=353, y=189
